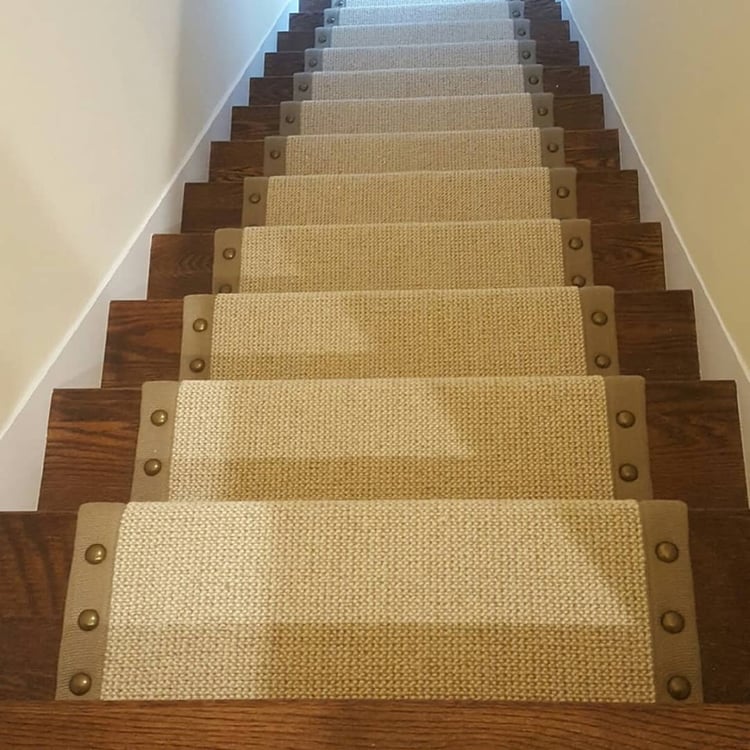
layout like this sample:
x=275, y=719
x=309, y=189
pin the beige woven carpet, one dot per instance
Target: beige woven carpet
x=408, y=3
x=398, y=334
x=414, y=152
x=431, y=114
x=366, y=16
x=481, y=195
x=422, y=56
x=410, y=438
x=388, y=35
x=533, y=601
x=419, y=82
x=402, y=256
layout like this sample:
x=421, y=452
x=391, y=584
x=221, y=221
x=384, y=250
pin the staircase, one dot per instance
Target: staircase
x=411, y=370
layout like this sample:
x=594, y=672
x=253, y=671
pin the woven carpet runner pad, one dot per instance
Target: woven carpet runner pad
x=421, y=56
x=431, y=333
x=447, y=12
x=418, y=82
x=431, y=114
x=516, y=5
x=531, y=437
x=472, y=195
x=389, y=35
x=413, y=152
x=492, y=254
x=511, y=600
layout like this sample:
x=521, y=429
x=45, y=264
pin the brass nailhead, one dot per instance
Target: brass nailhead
x=526, y=54
x=563, y=192
x=88, y=620
x=198, y=365
x=679, y=688
x=322, y=38
x=673, y=622
x=313, y=62
x=80, y=684
x=576, y=243
x=521, y=32
x=542, y=111
x=553, y=148
x=290, y=119
x=275, y=154
x=667, y=552
x=533, y=80
x=599, y=318
x=303, y=87
x=255, y=198
x=200, y=325
x=225, y=288
x=95, y=554
x=159, y=418
x=516, y=14
x=628, y=473
x=578, y=281
x=229, y=253
x=602, y=361
x=152, y=467
x=331, y=20
x=625, y=418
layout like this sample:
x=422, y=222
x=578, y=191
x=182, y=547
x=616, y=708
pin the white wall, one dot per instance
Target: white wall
x=671, y=73
x=108, y=107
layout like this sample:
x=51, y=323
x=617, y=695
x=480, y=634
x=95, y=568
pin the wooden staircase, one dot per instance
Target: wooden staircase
x=694, y=435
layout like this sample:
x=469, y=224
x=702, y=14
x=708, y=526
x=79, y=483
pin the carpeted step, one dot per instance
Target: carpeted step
x=546, y=600
x=381, y=334
x=418, y=114
x=421, y=13
x=421, y=438
x=395, y=34
x=374, y=153
x=477, y=195
x=419, y=82
x=421, y=56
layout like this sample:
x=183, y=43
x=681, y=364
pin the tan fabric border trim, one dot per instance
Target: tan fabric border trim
x=155, y=436
x=577, y=256
x=255, y=202
x=600, y=330
x=227, y=261
x=197, y=330
x=676, y=654
x=628, y=437
x=87, y=605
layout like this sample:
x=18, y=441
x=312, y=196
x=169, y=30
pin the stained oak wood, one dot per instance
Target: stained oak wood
x=603, y=196
x=586, y=150
x=626, y=256
x=547, y=53
x=656, y=338
x=541, y=31
x=30, y=633
x=694, y=438
x=571, y=112
x=564, y=81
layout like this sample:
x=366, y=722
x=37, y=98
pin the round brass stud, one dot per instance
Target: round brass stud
x=200, y=325
x=159, y=418
x=229, y=253
x=575, y=243
x=602, y=361
x=667, y=552
x=313, y=63
x=542, y=111
x=80, y=684
x=88, y=619
x=516, y=14
x=628, y=473
x=290, y=119
x=322, y=38
x=152, y=467
x=563, y=192
x=275, y=154
x=225, y=289
x=599, y=318
x=303, y=87
x=95, y=554
x=198, y=365
x=255, y=198
x=533, y=80
x=525, y=55
x=625, y=418
x=578, y=281
x=679, y=688
x=331, y=21
x=521, y=32
x=553, y=148
x=673, y=622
